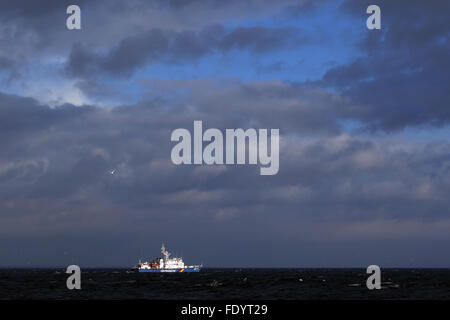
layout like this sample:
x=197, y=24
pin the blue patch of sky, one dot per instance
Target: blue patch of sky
x=331, y=38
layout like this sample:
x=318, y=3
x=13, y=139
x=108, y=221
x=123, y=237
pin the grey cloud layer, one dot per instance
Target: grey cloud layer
x=55, y=175
x=174, y=47
x=30, y=28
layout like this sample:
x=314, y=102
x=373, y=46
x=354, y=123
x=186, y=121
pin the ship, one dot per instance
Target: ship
x=166, y=264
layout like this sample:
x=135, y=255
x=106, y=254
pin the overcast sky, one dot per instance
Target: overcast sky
x=363, y=116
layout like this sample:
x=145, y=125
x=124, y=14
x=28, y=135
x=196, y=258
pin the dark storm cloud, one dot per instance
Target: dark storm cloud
x=258, y=39
x=402, y=79
x=55, y=173
x=20, y=115
x=6, y=63
x=9, y=67
x=56, y=164
x=30, y=9
x=41, y=25
x=57, y=169
x=98, y=90
x=173, y=47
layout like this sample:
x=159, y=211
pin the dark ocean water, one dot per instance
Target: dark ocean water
x=289, y=284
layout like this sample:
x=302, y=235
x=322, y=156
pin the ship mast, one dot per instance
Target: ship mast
x=165, y=253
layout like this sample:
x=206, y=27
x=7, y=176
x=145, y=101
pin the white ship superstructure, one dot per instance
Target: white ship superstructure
x=166, y=264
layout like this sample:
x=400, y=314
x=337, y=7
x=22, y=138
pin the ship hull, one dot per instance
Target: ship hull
x=171, y=270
